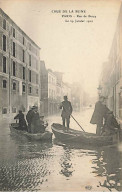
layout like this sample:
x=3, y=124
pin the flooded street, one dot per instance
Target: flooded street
x=34, y=166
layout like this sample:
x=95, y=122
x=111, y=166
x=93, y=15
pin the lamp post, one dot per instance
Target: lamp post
x=99, y=90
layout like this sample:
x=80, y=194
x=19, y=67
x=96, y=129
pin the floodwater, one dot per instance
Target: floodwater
x=33, y=166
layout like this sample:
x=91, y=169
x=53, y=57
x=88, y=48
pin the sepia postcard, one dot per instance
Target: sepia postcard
x=60, y=95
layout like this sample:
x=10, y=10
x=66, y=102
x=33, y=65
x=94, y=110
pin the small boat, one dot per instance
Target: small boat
x=70, y=135
x=46, y=136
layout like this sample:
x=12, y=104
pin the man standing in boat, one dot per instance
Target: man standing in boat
x=29, y=117
x=66, y=111
x=99, y=114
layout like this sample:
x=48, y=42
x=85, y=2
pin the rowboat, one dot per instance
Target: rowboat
x=46, y=136
x=70, y=135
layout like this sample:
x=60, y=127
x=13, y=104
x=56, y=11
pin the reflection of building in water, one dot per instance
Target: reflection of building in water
x=66, y=164
x=111, y=77
x=109, y=167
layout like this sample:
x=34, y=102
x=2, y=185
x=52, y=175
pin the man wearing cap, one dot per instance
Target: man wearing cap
x=66, y=111
x=99, y=114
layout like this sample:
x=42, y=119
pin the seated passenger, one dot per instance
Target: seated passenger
x=22, y=122
x=111, y=125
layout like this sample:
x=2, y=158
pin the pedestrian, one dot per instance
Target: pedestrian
x=66, y=111
x=22, y=122
x=29, y=117
x=99, y=114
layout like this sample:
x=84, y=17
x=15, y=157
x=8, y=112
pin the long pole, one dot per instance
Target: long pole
x=77, y=122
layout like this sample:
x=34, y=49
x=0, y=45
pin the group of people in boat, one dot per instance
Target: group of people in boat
x=102, y=117
x=35, y=122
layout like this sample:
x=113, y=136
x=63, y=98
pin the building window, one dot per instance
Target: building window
x=4, y=43
x=30, y=46
x=14, y=69
x=4, y=84
x=37, y=91
x=14, y=86
x=23, y=88
x=14, y=32
x=4, y=64
x=14, y=47
x=29, y=60
x=36, y=52
x=23, y=41
x=23, y=53
x=24, y=73
x=4, y=24
x=29, y=75
x=36, y=64
x=14, y=110
x=36, y=78
x=4, y=110
x=30, y=90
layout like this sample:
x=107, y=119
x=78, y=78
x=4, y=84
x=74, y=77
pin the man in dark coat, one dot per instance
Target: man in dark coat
x=99, y=114
x=22, y=122
x=29, y=117
x=111, y=125
x=66, y=111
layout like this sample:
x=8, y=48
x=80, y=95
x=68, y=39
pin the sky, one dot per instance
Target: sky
x=78, y=49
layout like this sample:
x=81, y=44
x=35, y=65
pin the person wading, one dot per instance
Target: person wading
x=99, y=114
x=66, y=111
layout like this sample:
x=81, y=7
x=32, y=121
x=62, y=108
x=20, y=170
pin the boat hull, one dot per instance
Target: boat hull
x=46, y=136
x=64, y=135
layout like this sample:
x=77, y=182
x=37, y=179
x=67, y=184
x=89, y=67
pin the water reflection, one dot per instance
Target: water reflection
x=108, y=166
x=66, y=164
x=27, y=165
x=26, y=168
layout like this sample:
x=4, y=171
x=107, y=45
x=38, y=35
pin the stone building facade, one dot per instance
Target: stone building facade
x=19, y=68
x=111, y=77
x=52, y=90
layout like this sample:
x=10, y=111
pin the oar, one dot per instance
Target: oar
x=74, y=119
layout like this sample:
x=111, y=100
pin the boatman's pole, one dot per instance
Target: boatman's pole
x=73, y=118
x=77, y=122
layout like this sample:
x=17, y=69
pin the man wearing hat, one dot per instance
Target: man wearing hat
x=99, y=114
x=22, y=122
x=29, y=117
x=66, y=111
